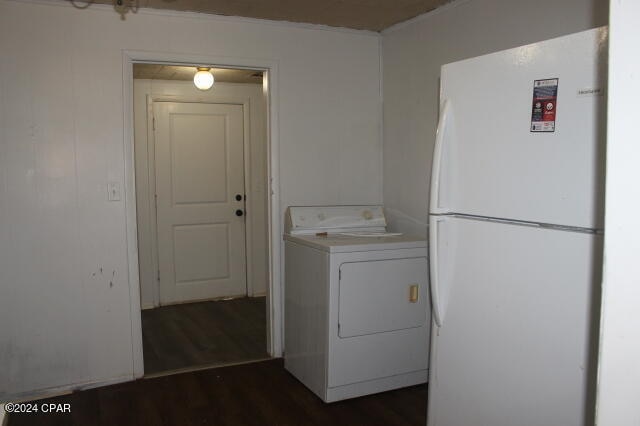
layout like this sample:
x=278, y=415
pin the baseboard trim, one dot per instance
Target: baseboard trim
x=65, y=390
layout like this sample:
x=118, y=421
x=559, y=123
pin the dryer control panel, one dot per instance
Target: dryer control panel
x=334, y=219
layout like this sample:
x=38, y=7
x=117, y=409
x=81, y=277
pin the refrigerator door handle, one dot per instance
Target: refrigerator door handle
x=438, y=152
x=434, y=280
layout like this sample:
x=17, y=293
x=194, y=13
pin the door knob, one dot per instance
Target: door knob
x=239, y=212
x=238, y=197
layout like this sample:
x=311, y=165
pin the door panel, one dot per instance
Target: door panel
x=199, y=170
x=201, y=252
x=199, y=163
x=517, y=336
x=375, y=296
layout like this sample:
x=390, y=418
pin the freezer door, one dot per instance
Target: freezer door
x=488, y=162
x=515, y=345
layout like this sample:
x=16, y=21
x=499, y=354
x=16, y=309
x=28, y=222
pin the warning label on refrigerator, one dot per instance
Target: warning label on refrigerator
x=544, y=105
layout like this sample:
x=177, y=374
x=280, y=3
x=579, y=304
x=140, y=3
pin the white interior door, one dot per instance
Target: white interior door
x=200, y=201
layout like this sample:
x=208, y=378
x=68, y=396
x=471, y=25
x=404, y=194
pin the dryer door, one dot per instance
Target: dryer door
x=382, y=295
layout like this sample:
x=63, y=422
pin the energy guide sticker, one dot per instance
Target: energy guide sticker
x=544, y=105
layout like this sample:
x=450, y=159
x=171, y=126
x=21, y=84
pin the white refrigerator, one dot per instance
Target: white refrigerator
x=515, y=230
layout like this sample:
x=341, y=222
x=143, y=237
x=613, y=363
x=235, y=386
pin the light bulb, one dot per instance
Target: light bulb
x=203, y=79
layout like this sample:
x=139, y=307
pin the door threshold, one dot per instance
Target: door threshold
x=210, y=366
x=214, y=299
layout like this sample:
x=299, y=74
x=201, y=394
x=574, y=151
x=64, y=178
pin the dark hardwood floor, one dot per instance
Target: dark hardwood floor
x=261, y=393
x=204, y=333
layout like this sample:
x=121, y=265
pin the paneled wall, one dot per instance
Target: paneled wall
x=64, y=289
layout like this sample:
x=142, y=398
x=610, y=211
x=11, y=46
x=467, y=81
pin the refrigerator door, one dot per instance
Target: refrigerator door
x=488, y=162
x=515, y=345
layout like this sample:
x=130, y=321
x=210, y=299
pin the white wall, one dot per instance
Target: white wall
x=619, y=362
x=256, y=173
x=413, y=53
x=64, y=290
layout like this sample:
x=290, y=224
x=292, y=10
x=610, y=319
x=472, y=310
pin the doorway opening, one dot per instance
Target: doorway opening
x=202, y=212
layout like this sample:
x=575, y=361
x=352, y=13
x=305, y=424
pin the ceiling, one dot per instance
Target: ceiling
x=183, y=73
x=374, y=15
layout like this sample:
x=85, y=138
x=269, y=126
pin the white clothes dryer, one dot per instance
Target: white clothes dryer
x=357, y=309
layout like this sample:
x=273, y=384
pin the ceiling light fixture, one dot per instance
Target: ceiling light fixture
x=203, y=78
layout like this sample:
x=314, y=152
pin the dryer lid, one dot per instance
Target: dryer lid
x=334, y=219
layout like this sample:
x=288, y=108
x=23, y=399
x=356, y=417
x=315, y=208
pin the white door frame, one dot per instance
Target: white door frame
x=270, y=83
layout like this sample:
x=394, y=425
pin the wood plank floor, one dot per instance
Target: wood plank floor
x=204, y=333
x=261, y=393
